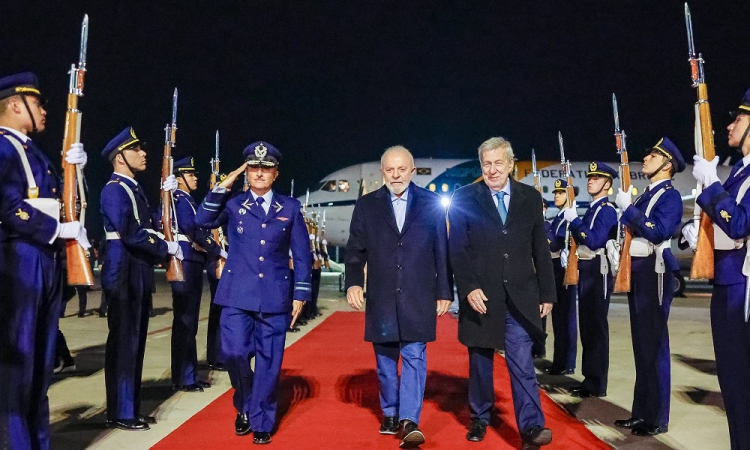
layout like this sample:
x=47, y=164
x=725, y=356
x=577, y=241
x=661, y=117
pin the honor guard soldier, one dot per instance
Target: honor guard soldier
x=198, y=247
x=595, y=281
x=727, y=205
x=132, y=250
x=653, y=219
x=564, y=315
x=30, y=264
x=260, y=298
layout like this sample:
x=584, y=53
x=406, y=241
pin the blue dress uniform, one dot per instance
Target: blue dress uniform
x=128, y=282
x=214, y=352
x=31, y=280
x=256, y=288
x=653, y=218
x=595, y=283
x=564, y=314
x=197, y=247
x=730, y=213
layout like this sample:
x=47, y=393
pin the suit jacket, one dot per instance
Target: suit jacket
x=257, y=275
x=510, y=262
x=407, y=271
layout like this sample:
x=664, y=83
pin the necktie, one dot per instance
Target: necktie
x=501, y=206
x=259, y=201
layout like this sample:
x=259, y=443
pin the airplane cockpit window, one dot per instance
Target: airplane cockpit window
x=343, y=186
x=328, y=185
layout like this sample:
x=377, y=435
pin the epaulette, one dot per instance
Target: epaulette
x=113, y=181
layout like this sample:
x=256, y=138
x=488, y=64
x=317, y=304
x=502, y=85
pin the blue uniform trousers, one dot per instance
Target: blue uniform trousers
x=732, y=348
x=648, y=327
x=564, y=321
x=214, y=354
x=593, y=307
x=523, y=384
x=30, y=303
x=246, y=335
x=127, y=317
x=405, y=400
x=186, y=303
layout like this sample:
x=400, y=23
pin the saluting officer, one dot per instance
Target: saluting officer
x=198, y=247
x=728, y=206
x=564, y=315
x=595, y=281
x=256, y=288
x=132, y=249
x=30, y=270
x=653, y=219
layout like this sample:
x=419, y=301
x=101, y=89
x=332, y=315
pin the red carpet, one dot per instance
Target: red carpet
x=329, y=399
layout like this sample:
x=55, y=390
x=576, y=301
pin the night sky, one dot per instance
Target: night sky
x=334, y=83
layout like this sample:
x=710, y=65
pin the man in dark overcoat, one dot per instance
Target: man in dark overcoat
x=399, y=232
x=502, y=265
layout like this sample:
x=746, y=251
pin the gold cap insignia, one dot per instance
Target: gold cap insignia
x=558, y=183
x=132, y=133
x=725, y=215
x=592, y=166
x=192, y=163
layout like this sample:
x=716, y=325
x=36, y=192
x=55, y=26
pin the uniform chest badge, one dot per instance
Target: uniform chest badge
x=278, y=206
x=151, y=240
x=242, y=211
x=23, y=215
x=725, y=215
x=650, y=225
x=283, y=219
x=240, y=230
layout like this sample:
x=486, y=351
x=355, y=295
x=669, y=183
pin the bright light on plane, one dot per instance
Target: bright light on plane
x=445, y=201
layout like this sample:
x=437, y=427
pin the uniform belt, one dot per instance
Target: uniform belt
x=586, y=254
x=114, y=235
x=555, y=255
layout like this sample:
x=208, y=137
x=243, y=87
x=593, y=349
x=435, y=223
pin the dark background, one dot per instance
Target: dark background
x=334, y=83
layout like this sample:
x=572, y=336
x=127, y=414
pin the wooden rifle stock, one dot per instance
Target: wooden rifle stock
x=622, y=280
x=174, y=265
x=571, y=269
x=703, y=260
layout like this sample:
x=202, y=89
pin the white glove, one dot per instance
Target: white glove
x=624, y=198
x=691, y=235
x=173, y=248
x=564, y=253
x=570, y=214
x=76, y=155
x=705, y=171
x=74, y=230
x=224, y=254
x=170, y=184
x=613, y=252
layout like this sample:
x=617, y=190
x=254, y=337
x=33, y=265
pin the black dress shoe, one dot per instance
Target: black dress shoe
x=559, y=371
x=477, y=430
x=242, y=424
x=536, y=436
x=81, y=313
x=261, y=437
x=301, y=322
x=628, y=423
x=412, y=437
x=150, y=420
x=203, y=384
x=648, y=430
x=389, y=425
x=195, y=387
x=538, y=355
x=128, y=425
x=585, y=393
x=218, y=366
x=292, y=330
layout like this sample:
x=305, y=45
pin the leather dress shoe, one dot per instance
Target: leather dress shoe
x=195, y=387
x=261, y=437
x=552, y=370
x=628, y=423
x=585, y=393
x=412, y=437
x=301, y=322
x=477, y=430
x=203, y=384
x=648, y=430
x=293, y=330
x=128, y=425
x=242, y=424
x=150, y=420
x=536, y=436
x=389, y=425
x=218, y=366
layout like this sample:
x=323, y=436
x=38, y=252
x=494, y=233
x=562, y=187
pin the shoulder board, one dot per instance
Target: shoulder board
x=608, y=204
x=668, y=187
x=113, y=181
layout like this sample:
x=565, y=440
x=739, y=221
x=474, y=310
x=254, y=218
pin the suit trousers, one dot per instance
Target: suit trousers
x=405, y=400
x=593, y=308
x=30, y=304
x=127, y=317
x=523, y=384
x=650, y=335
x=246, y=335
x=732, y=348
x=186, y=303
x=564, y=321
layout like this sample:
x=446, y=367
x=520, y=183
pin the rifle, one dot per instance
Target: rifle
x=217, y=233
x=703, y=261
x=74, y=191
x=174, y=265
x=535, y=173
x=324, y=243
x=315, y=236
x=571, y=269
x=622, y=280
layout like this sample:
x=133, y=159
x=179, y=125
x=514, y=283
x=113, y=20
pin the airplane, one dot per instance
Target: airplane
x=337, y=192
